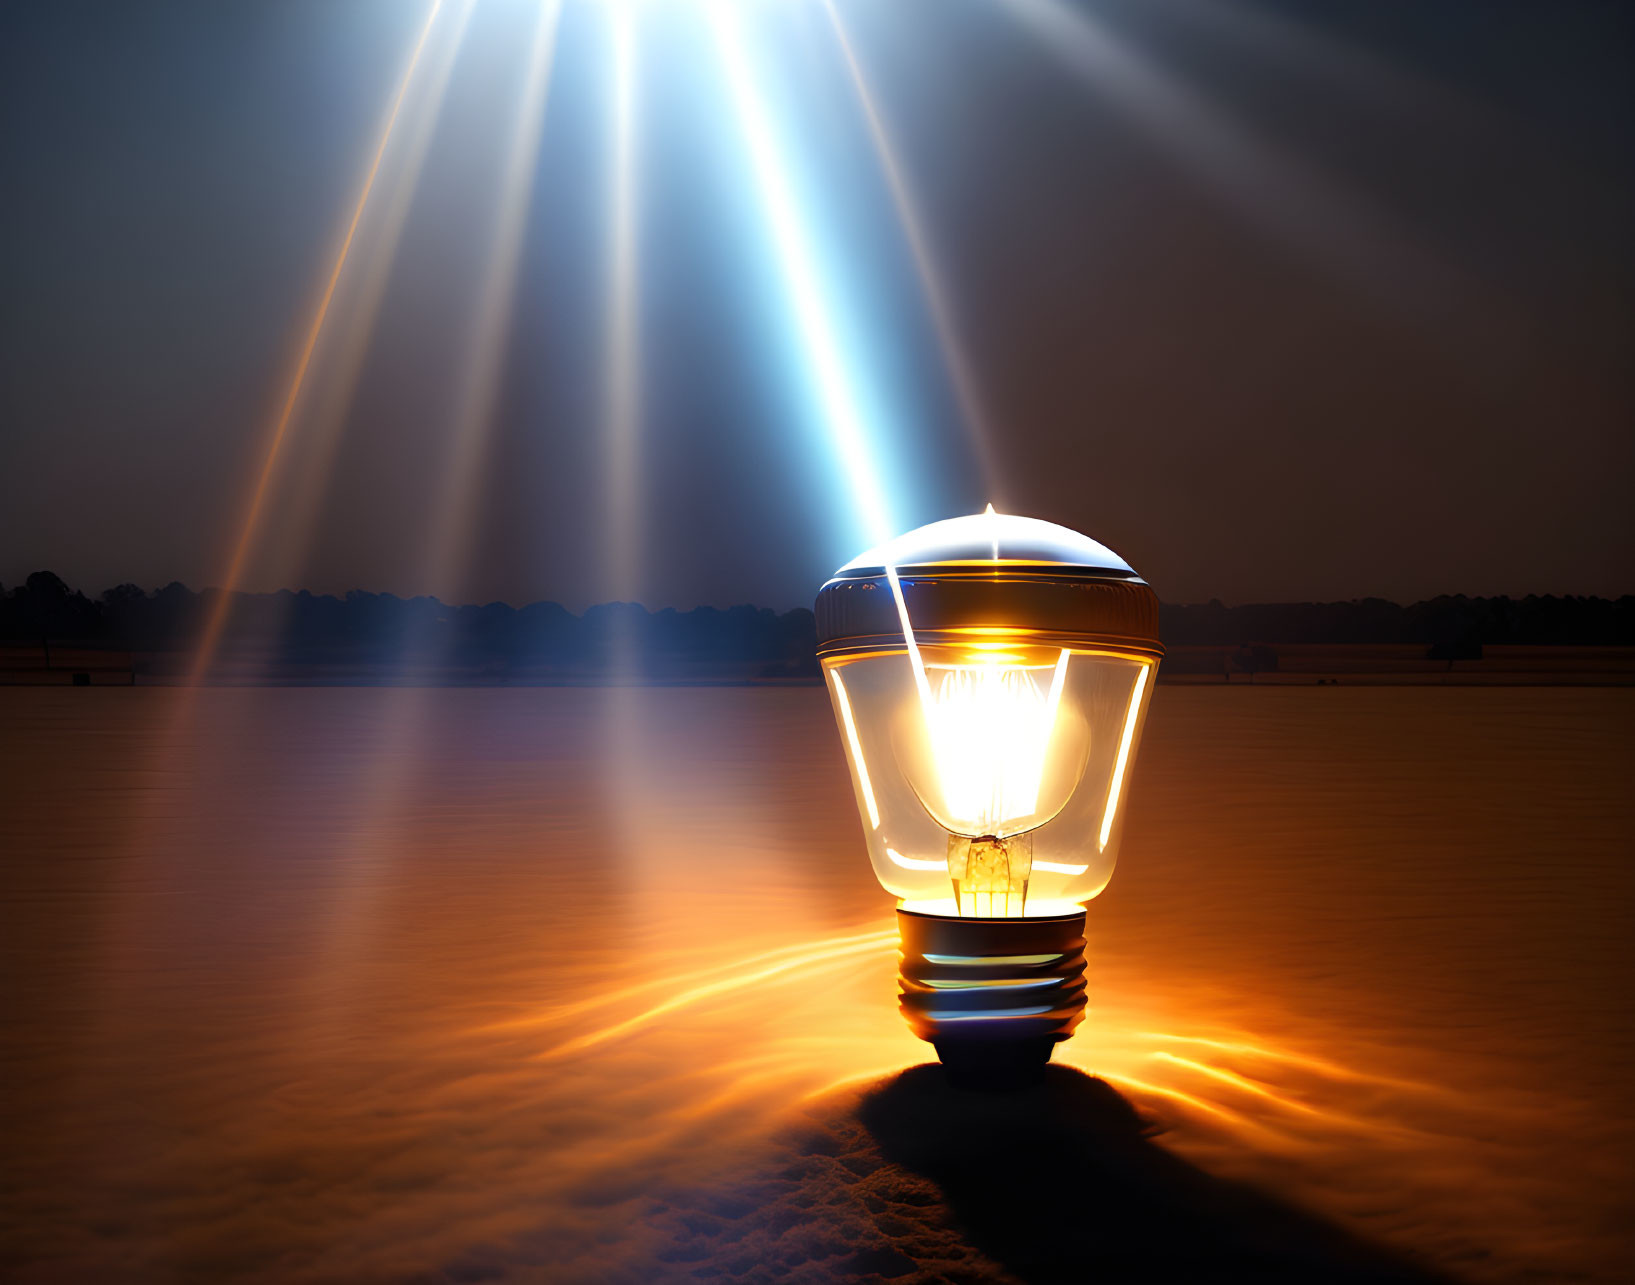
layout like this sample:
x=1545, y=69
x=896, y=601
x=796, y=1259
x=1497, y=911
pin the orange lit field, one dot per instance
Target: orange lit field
x=373, y=984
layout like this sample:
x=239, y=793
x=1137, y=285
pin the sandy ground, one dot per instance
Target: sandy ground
x=373, y=985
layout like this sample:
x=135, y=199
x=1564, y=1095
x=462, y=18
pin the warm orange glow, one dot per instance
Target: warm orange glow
x=221, y=608
x=372, y=1072
x=948, y=906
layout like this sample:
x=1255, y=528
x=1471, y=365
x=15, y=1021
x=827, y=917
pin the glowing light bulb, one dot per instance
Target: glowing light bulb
x=991, y=725
x=990, y=675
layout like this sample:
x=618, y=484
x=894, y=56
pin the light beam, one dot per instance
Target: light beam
x=955, y=358
x=622, y=374
x=449, y=532
x=1272, y=190
x=810, y=961
x=336, y=375
x=800, y=267
x=216, y=621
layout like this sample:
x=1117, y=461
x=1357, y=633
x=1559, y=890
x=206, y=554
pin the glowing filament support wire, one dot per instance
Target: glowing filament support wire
x=799, y=263
x=1115, y=789
x=217, y=620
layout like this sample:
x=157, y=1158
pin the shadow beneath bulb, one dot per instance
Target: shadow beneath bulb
x=1061, y=1181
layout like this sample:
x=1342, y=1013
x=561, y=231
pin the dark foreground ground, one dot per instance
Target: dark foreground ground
x=595, y=985
x=911, y=1179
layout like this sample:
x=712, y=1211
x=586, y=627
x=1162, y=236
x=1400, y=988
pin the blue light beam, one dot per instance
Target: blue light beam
x=799, y=264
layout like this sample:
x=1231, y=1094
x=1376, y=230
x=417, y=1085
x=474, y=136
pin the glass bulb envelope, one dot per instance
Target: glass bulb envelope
x=990, y=675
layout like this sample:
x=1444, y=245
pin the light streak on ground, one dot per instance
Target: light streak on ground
x=800, y=266
x=1322, y=1066
x=1175, y=1095
x=955, y=357
x=1123, y=1050
x=823, y=957
x=1376, y=1128
x=881, y=938
x=1238, y=1082
x=222, y=607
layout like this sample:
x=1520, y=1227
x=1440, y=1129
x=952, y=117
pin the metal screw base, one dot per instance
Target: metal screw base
x=993, y=996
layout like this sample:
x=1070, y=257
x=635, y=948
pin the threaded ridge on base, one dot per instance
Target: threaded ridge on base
x=992, y=992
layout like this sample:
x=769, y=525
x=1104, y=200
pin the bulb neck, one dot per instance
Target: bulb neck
x=993, y=996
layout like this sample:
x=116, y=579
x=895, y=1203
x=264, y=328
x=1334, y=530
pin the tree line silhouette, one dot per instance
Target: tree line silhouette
x=381, y=629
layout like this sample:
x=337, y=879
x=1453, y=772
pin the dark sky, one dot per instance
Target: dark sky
x=1281, y=301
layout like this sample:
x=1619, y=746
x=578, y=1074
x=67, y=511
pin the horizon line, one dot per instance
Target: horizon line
x=343, y=595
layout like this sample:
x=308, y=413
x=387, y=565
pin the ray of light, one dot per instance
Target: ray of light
x=1239, y=1082
x=956, y=359
x=448, y=534
x=221, y=608
x=801, y=268
x=672, y=980
x=1269, y=188
x=1334, y=1119
x=1301, y=48
x=355, y=315
x=1323, y=1066
x=622, y=343
x=820, y=958
x=1174, y=1095
x=351, y=911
